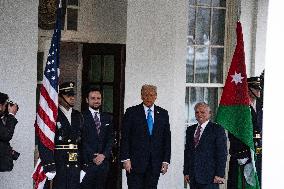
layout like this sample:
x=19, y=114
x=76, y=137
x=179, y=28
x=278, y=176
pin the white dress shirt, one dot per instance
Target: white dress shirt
x=95, y=111
x=203, y=125
x=146, y=111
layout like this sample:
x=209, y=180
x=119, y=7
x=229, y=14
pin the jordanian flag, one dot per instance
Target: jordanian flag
x=234, y=111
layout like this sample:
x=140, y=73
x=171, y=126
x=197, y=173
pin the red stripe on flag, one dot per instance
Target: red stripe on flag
x=45, y=119
x=49, y=101
x=38, y=176
x=43, y=138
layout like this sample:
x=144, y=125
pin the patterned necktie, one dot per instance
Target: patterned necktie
x=97, y=122
x=150, y=121
x=197, y=136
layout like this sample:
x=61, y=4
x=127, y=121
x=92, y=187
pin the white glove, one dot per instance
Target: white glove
x=82, y=175
x=242, y=161
x=50, y=175
x=249, y=174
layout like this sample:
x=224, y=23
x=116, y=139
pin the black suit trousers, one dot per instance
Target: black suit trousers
x=194, y=185
x=95, y=177
x=147, y=180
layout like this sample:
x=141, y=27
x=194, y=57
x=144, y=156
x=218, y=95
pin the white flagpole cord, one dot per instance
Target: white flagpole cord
x=60, y=3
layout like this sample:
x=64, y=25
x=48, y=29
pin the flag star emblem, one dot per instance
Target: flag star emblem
x=237, y=78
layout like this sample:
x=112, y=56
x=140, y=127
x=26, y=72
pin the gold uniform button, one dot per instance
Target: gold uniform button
x=67, y=165
x=69, y=140
x=76, y=165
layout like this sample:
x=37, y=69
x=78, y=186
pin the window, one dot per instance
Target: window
x=205, y=54
x=71, y=16
x=101, y=75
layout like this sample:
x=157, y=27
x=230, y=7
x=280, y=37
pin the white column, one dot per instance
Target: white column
x=156, y=54
x=273, y=140
x=18, y=69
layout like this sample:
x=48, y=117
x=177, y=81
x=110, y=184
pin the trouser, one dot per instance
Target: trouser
x=195, y=185
x=147, y=180
x=95, y=177
x=258, y=165
x=65, y=178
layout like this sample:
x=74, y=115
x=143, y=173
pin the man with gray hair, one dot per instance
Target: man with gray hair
x=205, y=152
x=146, y=141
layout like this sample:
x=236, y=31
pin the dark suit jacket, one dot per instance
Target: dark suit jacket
x=94, y=143
x=137, y=144
x=6, y=134
x=209, y=157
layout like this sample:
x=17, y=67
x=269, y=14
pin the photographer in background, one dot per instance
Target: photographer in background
x=8, y=122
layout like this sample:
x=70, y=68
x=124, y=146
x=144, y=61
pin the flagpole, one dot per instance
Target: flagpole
x=238, y=9
x=49, y=94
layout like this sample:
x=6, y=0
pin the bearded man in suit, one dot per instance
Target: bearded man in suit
x=97, y=141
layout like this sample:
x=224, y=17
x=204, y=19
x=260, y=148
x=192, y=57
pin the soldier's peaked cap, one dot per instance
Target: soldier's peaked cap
x=67, y=88
x=254, y=82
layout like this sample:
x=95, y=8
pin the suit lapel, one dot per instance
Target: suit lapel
x=193, y=127
x=205, y=133
x=142, y=115
x=92, y=123
x=90, y=118
x=157, y=119
x=103, y=123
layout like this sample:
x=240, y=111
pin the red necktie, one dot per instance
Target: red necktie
x=197, y=136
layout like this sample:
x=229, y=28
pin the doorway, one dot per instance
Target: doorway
x=104, y=68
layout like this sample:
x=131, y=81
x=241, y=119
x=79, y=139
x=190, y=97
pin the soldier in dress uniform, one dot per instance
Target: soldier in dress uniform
x=63, y=167
x=240, y=153
x=255, y=89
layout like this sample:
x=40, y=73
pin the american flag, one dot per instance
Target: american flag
x=46, y=116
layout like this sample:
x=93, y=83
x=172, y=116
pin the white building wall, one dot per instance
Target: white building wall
x=18, y=60
x=261, y=33
x=273, y=140
x=247, y=18
x=99, y=21
x=156, y=54
x=254, y=22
